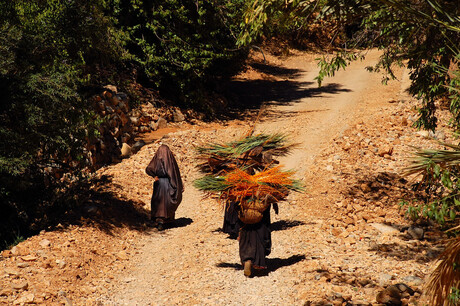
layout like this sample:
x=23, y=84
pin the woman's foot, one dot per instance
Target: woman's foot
x=160, y=224
x=247, y=268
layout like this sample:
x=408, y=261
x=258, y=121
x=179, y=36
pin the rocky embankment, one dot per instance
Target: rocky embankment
x=122, y=124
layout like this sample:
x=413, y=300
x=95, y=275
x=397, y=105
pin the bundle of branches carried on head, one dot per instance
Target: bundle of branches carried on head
x=242, y=171
x=253, y=152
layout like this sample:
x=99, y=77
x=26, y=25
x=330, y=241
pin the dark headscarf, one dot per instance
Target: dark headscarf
x=164, y=165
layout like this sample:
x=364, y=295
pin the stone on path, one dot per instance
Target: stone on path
x=416, y=232
x=162, y=123
x=125, y=150
x=20, y=285
x=385, y=229
x=45, y=243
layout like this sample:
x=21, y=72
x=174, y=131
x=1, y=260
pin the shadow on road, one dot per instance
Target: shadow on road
x=247, y=96
x=252, y=94
x=235, y=266
x=100, y=206
x=181, y=222
x=273, y=264
x=285, y=224
x=270, y=114
x=420, y=253
x=275, y=226
x=276, y=71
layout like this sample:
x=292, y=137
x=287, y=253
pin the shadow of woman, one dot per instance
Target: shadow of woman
x=285, y=224
x=273, y=264
x=180, y=222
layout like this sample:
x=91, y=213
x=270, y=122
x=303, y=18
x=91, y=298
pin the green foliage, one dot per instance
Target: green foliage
x=328, y=67
x=287, y=19
x=44, y=113
x=256, y=17
x=47, y=50
x=54, y=54
x=423, y=35
x=453, y=88
x=183, y=46
x=440, y=182
x=9, y=244
x=211, y=183
x=454, y=296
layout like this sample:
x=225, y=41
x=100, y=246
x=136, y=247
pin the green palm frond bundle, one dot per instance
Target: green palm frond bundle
x=276, y=144
x=424, y=160
x=211, y=184
x=238, y=185
x=249, y=150
x=243, y=171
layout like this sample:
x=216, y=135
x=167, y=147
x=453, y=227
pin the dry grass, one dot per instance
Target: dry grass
x=271, y=182
x=446, y=276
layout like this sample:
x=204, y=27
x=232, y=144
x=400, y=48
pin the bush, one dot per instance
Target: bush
x=54, y=53
x=44, y=115
x=184, y=46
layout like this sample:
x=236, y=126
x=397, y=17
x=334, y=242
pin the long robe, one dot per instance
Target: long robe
x=231, y=224
x=167, y=190
x=256, y=241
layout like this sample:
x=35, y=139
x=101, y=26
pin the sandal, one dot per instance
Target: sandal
x=247, y=268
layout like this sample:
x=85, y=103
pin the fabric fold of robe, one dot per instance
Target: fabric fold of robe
x=167, y=190
x=231, y=224
x=256, y=241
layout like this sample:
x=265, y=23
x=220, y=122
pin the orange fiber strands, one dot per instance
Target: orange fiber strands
x=269, y=182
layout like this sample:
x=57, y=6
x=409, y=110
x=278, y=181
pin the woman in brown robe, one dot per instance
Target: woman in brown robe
x=255, y=243
x=167, y=186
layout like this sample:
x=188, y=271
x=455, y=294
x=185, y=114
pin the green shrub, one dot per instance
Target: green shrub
x=54, y=54
x=46, y=48
x=185, y=47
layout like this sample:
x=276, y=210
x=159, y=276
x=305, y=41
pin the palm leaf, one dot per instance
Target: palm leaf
x=275, y=143
x=238, y=185
x=248, y=151
x=446, y=276
x=423, y=160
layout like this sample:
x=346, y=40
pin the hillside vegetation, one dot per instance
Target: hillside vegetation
x=55, y=55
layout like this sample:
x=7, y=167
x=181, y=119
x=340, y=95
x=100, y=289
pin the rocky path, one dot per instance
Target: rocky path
x=342, y=241
x=197, y=264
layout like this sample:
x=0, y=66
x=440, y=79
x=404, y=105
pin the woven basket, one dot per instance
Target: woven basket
x=250, y=216
x=252, y=212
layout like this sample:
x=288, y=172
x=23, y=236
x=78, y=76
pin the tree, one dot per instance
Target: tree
x=421, y=34
x=46, y=49
x=183, y=46
x=55, y=54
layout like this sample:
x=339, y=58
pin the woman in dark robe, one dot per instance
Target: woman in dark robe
x=167, y=186
x=255, y=243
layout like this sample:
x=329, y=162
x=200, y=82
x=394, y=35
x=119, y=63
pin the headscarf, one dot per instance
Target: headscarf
x=163, y=164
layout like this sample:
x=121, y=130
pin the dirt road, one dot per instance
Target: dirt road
x=317, y=253
x=340, y=243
